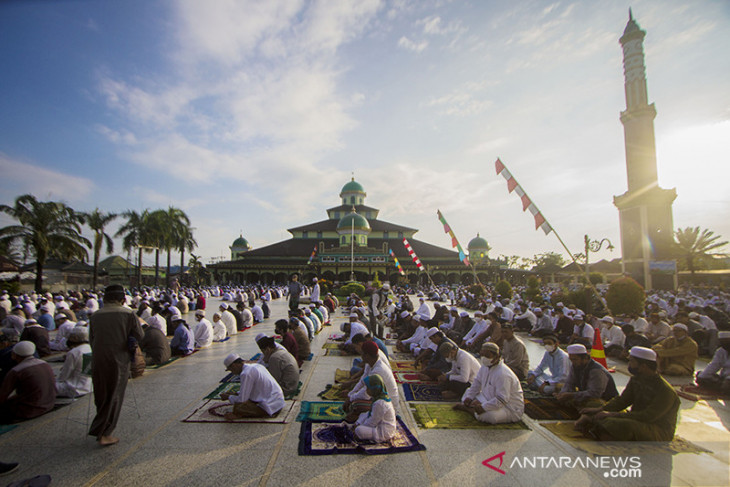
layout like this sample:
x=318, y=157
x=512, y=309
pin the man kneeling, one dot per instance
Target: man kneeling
x=654, y=405
x=496, y=395
x=259, y=396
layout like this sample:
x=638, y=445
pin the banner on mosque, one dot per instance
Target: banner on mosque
x=413, y=255
x=311, y=257
x=454, y=242
x=397, y=264
x=527, y=204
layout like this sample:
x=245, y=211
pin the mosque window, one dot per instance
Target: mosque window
x=319, y=234
x=337, y=215
x=385, y=234
x=352, y=200
x=400, y=234
x=343, y=239
x=305, y=234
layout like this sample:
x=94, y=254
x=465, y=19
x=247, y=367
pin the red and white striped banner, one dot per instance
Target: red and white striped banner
x=527, y=203
x=413, y=255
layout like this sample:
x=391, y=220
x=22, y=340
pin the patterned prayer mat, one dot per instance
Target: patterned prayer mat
x=564, y=431
x=411, y=378
x=444, y=416
x=697, y=393
x=548, y=408
x=423, y=393
x=212, y=411
x=333, y=393
x=401, y=356
x=403, y=366
x=331, y=345
x=334, y=336
x=231, y=377
x=329, y=439
x=172, y=359
x=234, y=387
x=255, y=357
x=333, y=352
x=342, y=375
x=321, y=411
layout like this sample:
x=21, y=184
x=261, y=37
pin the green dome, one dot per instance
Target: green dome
x=352, y=187
x=240, y=243
x=478, y=243
x=360, y=222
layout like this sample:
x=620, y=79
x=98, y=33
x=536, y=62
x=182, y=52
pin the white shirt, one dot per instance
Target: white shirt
x=203, y=333
x=356, y=328
x=70, y=375
x=258, y=385
x=219, y=331
x=258, y=313
x=613, y=336
x=464, y=368
x=382, y=368
x=157, y=321
x=230, y=322
x=424, y=312
x=315, y=293
x=381, y=417
x=495, y=388
x=476, y=330
x=59, y=341
x=720, y=363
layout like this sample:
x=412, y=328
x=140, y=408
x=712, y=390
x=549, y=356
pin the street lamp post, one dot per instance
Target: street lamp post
x=593, y=246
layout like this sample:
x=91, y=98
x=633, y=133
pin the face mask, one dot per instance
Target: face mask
x=486, y=362
x=450, y=360
x=550, y=348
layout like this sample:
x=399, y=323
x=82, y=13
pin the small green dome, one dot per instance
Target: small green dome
x=346, y=222
x=352, y=187
x=240, y=244
x=478, y=243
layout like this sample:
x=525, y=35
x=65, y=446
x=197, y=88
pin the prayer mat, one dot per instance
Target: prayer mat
x=321, y=411
x=333, y=352
x=444, y=416
x=212, y=411
x=229, y=387
x=529, y=393
x=403, y=366
x=295, y=393
x=564, y=431
x=333, y=393
x=411, y=378
x=342, y=375
x=224, y=340
x=331, y=345
x=536, y=340
x=172, y=359
x=401, y=356
x=548, y=408
x=329, y=439
x=698, y=393
x=423, y=393
x=55, y=357
x=255, y=357
x=231, y=377
x=4, y=428
x=334, y=336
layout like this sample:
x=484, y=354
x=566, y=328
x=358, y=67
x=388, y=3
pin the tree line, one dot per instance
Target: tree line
x=51, y=229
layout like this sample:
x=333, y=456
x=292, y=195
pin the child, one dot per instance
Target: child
x=378, y=424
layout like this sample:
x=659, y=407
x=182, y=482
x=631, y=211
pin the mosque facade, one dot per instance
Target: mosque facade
x=353, y=242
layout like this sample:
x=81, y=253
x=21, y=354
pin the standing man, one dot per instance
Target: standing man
x=110, y=330
x=295, y=290
x=314, y=296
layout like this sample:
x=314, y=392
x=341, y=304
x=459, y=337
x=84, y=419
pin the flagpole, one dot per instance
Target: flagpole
x=352, y=248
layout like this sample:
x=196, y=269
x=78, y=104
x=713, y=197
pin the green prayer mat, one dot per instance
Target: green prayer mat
x=234, y=387
x=342, y=375
x=321, y=411
x=435, y=415
x=172, y=359
x=333, y=393
x=333, y=352
x=330, y=345
x=565, y=431
x=548, y=408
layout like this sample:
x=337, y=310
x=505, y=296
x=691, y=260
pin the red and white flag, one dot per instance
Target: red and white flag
x=413, y=255
x=527, y=203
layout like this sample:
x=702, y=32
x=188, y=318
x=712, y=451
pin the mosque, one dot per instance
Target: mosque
x=353, y=242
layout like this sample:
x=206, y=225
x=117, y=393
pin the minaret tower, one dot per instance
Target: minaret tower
x=645, y=210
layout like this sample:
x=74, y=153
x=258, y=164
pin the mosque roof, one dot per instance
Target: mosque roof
x=348, y=208
x=240, y=243
x=331, y=225
x=352, y=187
x=353, y=220
x=478, y=243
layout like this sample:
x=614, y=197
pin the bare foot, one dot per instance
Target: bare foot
x=231, y=416
x=424, y=377
x=462, y=407
x=108, y=440
x=449, y=395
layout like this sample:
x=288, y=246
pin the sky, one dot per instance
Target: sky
x=251, y=115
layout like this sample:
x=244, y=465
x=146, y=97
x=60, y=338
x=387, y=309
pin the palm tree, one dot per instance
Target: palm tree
x=196, y=268
x=157, y=235
x=175, y=225
x=135, y=236
x=186, y=242
x=47, y=229
x=693, y=246
x=96, y=221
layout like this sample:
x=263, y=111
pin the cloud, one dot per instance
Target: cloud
x=410, y=45
x=463, y=101
x=22, y=178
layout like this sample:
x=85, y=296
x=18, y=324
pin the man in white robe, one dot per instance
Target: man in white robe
x=259, y=396
x=219, y=328
x=71, y=380
x=203, y=332
x=228, y=320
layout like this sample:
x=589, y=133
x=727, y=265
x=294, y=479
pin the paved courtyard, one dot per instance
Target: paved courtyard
x=157, y=449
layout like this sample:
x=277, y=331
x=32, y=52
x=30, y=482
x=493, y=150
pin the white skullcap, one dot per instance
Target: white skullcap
x=404, y=314
x=315, y=279
x=24, y=348
x=31, y=321
x=560, y=305
x=386, y=287
x=578, y=316
x=431, y=332
x=694, y=315
x=260, y=336
x=60, y=316
x=577, y=349
x=643, y=353
x=453, y=308
x=45, y=308
x=307, y=311
x=607, y=319
x=230, y=359
x=79, y=334
x=537, y=310
x=224, y=306
x=417, y=317
x=354, y=315
x=464, y=314
x=478, y=313
x=199, y=312
x=421, y=299
x=723, y=334
x=681, y=326
x=216, y=314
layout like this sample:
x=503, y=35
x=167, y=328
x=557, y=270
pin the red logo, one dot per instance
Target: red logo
x=497, y=469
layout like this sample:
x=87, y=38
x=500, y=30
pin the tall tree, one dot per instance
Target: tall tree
x=97, y=221
x=693, y=245
x=135, y=236
x=46, y=229
x=186, y=241
x=157, y=234
x=177, y=226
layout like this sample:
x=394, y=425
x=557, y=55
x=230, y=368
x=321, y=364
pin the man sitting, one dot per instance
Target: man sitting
x=34, y=385
x=154, y=345
x=495, y=396
x=677, y=354
x=358, y=400
x=281, y=365
x=716, y=375
x=183, y=342
x=514, y=352
x=350, y=329
x=613, y=337
x=71, y=381
x=654, y=405
x=259, y=396
x=64, y=327
x=588, y=383
x=203, y=330
x=35, y=333
x=300, y=336
x=553, y=370
x=281, y=328
x=543, y=325
x=632, y=340
x=464, y=368
x=582, y=332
